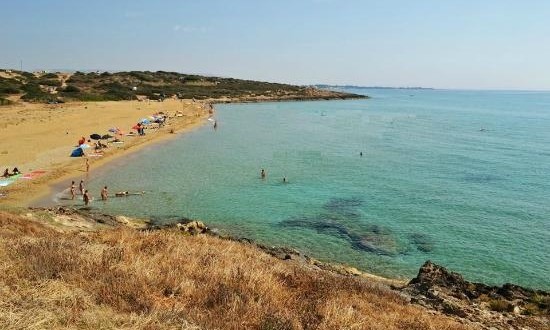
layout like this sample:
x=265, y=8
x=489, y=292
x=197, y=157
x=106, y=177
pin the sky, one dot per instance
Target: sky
x=457, y=44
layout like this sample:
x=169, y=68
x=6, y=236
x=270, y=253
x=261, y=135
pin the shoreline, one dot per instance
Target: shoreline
x=24, y=193
x=19, y=195
x=435, y=289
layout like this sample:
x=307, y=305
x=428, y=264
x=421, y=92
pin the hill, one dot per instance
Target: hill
x=63, y=271
x=116, y=86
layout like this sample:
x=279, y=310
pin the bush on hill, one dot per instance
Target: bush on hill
x=71, y=89
x=33, y=92
x=49, y=82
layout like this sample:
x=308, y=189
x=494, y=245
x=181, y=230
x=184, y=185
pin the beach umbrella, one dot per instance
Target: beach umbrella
x=106, y=136
x=84, y=146
x=145, y=121
x=114, y=129
x=135, y=127
x=95, y=136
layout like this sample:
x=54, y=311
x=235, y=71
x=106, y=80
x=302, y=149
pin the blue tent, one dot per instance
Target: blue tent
x=78, y=152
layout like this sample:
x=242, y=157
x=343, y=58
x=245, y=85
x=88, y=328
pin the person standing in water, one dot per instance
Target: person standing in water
x=86, y=198
x=285, y=180
x=73, y=190
x=104, y=193
x=81, y=187
x=262, y=174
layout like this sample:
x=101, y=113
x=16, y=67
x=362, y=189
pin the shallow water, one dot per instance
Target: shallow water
x=458, y=177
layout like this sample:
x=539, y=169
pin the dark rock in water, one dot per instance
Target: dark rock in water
x=501, y=307
x=343, y=205
x=481, y=178
x=374, y=239
x=342, y=220
x=421, y=241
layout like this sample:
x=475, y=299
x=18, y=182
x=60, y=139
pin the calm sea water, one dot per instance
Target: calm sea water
x=458, y=177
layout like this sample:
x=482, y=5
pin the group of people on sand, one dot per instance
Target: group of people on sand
x=7, y=173
x=104, y=193
x=263, y=175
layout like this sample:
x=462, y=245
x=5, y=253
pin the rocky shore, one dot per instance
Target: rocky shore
x=435, y=288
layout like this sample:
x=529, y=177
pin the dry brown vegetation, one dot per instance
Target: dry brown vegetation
x=128, y=279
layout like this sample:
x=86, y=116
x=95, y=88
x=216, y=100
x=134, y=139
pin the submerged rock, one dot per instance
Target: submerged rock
x=422, y=242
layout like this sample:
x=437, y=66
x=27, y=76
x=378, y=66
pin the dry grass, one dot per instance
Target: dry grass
x=127, y=279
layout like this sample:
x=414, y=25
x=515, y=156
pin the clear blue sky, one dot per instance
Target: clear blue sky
x=482, y=44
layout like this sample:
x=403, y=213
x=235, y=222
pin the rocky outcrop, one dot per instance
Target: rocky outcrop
x=193, y=227
x=505, y=307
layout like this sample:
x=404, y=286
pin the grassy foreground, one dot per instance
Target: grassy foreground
x=128, y=279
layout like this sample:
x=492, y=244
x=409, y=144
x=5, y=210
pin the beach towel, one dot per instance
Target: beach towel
x=33, y=175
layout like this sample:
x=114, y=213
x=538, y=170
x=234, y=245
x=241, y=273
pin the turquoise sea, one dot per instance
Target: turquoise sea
x=458, y=177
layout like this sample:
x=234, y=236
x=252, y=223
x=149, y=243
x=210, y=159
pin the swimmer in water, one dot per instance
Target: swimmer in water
x=262, y=174
x=104, y=193
x=86, y=198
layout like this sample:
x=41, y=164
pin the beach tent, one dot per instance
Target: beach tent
x=78, y=152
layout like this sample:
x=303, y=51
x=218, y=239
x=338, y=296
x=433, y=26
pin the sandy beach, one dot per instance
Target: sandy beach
x=42, y=136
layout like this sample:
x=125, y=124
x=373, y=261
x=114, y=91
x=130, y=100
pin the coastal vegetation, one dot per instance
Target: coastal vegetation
x=55, y=277
x=117, y=86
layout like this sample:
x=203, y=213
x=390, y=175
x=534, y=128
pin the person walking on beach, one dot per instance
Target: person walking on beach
x=86, y=198
x=87, y=165
x=104, y=193
x=81, y=187
x=262, y=174
x=73, y=190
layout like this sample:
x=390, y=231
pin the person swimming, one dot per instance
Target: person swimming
x=127, y=193
x=262, y=174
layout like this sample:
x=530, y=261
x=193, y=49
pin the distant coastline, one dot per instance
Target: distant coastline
x=326, y=86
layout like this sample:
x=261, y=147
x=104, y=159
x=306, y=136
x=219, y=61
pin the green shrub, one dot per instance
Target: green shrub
x=71, y=89
x=49, y=76
x=49, y=82
x=33, y=92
